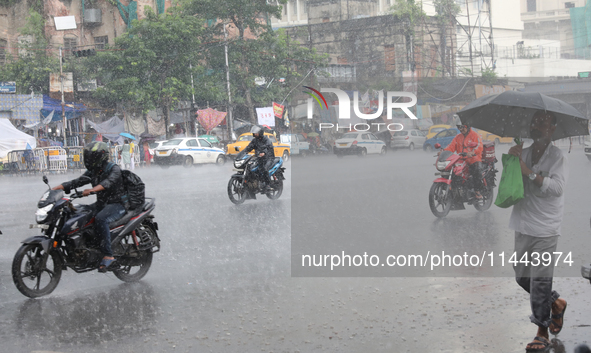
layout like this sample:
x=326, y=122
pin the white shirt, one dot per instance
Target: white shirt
x=541, y=211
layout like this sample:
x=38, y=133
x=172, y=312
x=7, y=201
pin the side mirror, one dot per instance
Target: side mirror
x=45, y=180
x=438, y=145
x=237, y=149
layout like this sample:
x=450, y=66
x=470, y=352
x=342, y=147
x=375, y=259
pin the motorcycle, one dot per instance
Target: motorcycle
x=455, y=186
x=245, y=184
x=68, y=240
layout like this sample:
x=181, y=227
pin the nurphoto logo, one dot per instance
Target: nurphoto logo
x=345, y=107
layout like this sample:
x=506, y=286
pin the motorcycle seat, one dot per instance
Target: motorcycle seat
x=132, y=213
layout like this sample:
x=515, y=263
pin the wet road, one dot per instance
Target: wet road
x=222, y=281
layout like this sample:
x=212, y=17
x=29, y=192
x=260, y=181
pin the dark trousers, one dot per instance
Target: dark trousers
x=536, y=280
x=263, y=168
x=476, y=172
x=109, y=213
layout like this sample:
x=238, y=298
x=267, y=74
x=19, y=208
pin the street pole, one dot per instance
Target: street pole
x=63, y=102
x=193, y=105
x=229, y=116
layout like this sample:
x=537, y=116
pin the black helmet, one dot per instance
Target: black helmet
x=95, y=155
x=256, y=130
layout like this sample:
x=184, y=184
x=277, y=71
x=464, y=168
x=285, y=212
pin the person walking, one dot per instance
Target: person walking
x=536, y=220
x=126, y=155
x=147, y=155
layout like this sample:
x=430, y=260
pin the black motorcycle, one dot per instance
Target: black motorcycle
x=69, y=240
x=246, y=183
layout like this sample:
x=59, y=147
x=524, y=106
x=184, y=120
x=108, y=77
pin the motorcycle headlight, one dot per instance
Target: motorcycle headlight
x=41, y=214
x=239, y=163
x=442, y=165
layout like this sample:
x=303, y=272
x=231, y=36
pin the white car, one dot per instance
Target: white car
x=359, y=143
x=298, y=143
x=187, y=151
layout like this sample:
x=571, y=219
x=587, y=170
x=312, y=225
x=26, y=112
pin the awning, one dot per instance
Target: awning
x=73, y=110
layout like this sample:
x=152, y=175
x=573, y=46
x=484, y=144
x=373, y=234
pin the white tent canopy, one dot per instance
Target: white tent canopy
x=13, y=139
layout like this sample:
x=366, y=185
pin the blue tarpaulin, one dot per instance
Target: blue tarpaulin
x=73, y=110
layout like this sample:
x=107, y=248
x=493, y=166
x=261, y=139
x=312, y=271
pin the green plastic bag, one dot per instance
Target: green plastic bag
x=511, y=185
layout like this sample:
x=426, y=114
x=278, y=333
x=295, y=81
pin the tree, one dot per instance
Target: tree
x=150, y=65
x=410, y=14
x=34, y=62
x=255, y=51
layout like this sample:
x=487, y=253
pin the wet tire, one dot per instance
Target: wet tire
x=221, y=160
x=188, y=162
x=32, y=277
x=134, y=263
x=383, y=151
x=285, y=156
x=440, y=199
x=428, y=148
x=363, y=153
x=278, y=190
x=411, y=146
x=235, y=191
x=485, y=205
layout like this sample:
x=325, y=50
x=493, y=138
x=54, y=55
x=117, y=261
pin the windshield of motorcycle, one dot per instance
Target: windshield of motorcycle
x=50, y=197
x=444, y=155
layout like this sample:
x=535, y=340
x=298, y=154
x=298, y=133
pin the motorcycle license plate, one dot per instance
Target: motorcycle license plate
x=161, y=152
x=342, y=144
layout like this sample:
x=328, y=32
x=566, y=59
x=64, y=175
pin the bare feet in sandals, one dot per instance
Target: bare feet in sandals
x=558, y=309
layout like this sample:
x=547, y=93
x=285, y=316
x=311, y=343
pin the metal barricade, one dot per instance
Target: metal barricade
x=75, y=158
x=57, y=158
x=40, y=159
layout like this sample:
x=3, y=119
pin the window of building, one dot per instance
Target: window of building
x=101, y=42
x=3, y=51
x=304, y=6
x=70, y=43
x=531, y=6
x=294, y=7
x=341, y=60
x=389, y=58
x=568, y=5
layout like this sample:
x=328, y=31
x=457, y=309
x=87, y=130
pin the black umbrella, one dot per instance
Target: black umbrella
x=509, y=114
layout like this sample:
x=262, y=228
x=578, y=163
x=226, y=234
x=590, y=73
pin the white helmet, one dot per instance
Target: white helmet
x=256, y=130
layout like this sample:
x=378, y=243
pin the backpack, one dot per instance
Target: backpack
x=134, y=188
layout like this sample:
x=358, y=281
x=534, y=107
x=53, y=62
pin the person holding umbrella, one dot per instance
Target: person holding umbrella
x=536, y=220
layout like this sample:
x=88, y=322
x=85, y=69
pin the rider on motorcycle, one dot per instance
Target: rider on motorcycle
x=263, y=147
x=109, y=192
x=460, y=144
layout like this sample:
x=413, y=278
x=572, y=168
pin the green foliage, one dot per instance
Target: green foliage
x=489, y=76
x=8, y=3
x=446, y=10
x=150, y=69
x=31, y=69
x=408, y=11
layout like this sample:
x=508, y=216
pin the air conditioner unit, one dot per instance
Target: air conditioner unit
x=93, y=16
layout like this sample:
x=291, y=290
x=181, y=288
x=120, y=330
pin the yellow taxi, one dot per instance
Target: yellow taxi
x=488, y=137
x=435, y=129
x=281, y=149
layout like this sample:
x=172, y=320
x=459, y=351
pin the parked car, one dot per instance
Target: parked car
x=153, y=145
x=588, y=150
x=187, y=151
x=444, y=138
x=281, y=149
x=359, y=143
x=297, y=142
x=488, y=137
x=408, y=139
x=434, y=129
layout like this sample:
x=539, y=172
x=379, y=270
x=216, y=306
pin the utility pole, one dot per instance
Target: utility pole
x=469, y=39
x=229, y=116
x=193, y=105
x=63, y=102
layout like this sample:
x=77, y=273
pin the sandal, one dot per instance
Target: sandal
x=538, y=341
x=557, y=326
x=105, y=264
